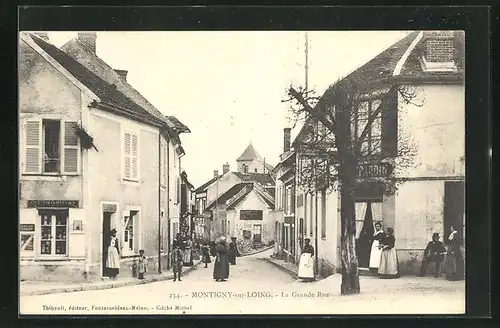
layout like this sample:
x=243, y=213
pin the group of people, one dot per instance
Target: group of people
x=384, y=259
x=224, y=255
x=112, y=267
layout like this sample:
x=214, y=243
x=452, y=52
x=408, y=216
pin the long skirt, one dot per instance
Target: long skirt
x=113, y=262
x=306, y=266
x=454, y=267
x=388, y=267
x=375, y=255
x=221, y=267
x=205, y=258
x=231, y=255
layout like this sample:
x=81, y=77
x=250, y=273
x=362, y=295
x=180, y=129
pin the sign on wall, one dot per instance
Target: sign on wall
x=251, y=215
x=26, y=227
x=53, y=203
x=109, y=208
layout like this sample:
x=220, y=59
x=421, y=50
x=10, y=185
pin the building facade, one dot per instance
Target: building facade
x=430, y=194
x=79, y=133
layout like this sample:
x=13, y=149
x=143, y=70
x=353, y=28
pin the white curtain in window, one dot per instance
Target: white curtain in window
x=377, y=212
x=360, y=209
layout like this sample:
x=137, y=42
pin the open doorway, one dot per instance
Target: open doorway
x=106, y=228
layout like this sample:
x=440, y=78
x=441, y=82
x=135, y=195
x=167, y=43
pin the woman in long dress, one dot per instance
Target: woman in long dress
x=376, y=252
x=221, y=266
x=389, y=267
x=188, y=255
x=113, y=259
x=454, y=263
x=306, y=264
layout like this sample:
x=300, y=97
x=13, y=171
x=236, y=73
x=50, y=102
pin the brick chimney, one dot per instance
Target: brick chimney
x=88, y=39
x=42, y=35
x=225, y=168
x=122, y=73
x=216, y=174
x=286, y=139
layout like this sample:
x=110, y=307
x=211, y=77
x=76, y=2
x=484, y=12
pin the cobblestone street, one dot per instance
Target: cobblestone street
x=254, y=278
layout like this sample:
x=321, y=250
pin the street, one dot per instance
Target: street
x=257, y=287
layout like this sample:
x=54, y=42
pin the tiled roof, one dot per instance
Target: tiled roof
x=204, y=186
x=249, y=154
x=106, y=92
x=233, y=191
x=178, y=124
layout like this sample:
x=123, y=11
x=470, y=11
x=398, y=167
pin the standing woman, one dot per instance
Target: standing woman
x=454, y=263
x=205, y=254
x=389, y=267
x=221, y=266
x=306, y=263
x=188, y=255
x=376, y=252
x=113, y=259
x=233, y=251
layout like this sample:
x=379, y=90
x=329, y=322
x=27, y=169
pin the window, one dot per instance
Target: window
x=53, y=232
x=311, y=213
x=131, y=156
x=50, y=147
x=323, y=214
x=371, y=144
x=255, y=170
x=131, y=233
x=289, y=200
x=163, y=165
x=228, y=227
x=178, y=190
x=245, y=168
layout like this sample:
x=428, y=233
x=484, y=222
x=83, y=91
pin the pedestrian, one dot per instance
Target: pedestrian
x=205, y=255
x=188, y=252
x=306, y=263
x=454, y=262
x=376, y=252
x=433, y=253
x=177, y=258
x=113, y=259
x=177, y=241
x=212, y=248
x=389, y=267
x=143, y=264
x=233, y=251
x=221, y=266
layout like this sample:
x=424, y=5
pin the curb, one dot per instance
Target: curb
x=287, y=270
x=117, y=284
x=257, y=252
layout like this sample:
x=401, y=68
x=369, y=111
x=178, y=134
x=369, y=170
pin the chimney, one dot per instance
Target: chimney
x=216, y=174
x=439, y=46
x=88, y=39
x=225, y=168
x=42, y=35
x=122, y=73
x=286, y=139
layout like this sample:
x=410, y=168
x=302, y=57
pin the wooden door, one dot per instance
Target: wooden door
x=257, y=233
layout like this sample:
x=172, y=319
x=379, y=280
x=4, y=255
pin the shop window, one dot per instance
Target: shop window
x=371, y=144
x=54, y=232
x=131, y=233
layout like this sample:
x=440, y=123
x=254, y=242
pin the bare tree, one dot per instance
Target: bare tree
x=347, y=132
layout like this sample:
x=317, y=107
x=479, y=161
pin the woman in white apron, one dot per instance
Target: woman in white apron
x=113, y=259
x=375, y=252
x=306, y=264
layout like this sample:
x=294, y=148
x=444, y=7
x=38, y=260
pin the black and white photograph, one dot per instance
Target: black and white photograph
x=242, y=172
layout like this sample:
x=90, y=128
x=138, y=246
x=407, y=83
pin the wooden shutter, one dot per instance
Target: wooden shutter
x=135, y=159
x=70, y=149
x=127, y=156
x=33, y=147
x=390, y=125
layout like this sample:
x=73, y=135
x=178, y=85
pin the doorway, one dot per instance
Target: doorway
x=257, y=234
x=454, y=207
x=106, y=228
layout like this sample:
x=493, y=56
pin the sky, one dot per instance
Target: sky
x=228, y=86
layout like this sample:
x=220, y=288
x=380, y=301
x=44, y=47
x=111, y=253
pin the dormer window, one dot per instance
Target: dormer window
x=439, y=52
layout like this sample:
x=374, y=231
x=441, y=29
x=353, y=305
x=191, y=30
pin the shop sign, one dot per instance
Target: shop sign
x=53, y=203
x=374, y=170
x=26, y=227
x=110, y=208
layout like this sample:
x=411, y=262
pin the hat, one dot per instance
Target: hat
x=233, y=238
x=113, y=230
x=307, y=239
x=435, y=234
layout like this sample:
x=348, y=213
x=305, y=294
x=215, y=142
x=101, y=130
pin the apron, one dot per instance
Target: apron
x=306, y=266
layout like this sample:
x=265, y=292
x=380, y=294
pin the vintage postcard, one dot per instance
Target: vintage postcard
x=242, y=172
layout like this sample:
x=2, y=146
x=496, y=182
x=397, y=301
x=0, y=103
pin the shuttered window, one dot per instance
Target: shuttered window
x=163, y=166
x=131, y=156
x=50, y=147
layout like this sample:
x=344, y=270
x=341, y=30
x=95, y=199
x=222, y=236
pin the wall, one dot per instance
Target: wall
x=328, y=247
x=437, y=129
x=223, y=184
x=253, y=165
x=253, y=202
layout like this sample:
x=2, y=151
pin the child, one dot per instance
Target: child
x=177, y=262
x=143, y=264
x=205, y=255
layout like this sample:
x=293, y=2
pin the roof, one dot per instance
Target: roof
x=106, y=92
x=177, y=124
x=204, y=186
x=233, y=191
x=263, y=179
x=249, y=154
x=129, y=91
